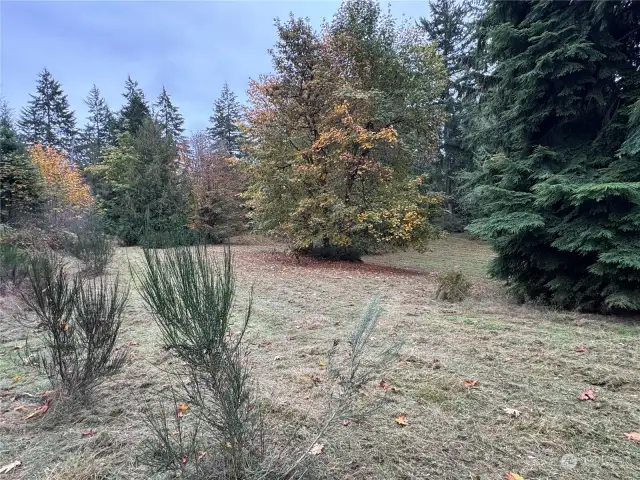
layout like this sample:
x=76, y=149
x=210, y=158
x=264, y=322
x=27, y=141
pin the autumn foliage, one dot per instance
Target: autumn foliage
x=64, y=185
x=335, y=132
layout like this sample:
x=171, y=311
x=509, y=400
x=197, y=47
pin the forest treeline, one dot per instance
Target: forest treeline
x=519, y=121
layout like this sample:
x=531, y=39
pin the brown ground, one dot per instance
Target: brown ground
x=522, y=358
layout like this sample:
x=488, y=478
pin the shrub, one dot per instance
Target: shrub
x=453, y=286
x=90, y=244
x=12, y=264
x=190, y=296
x=81, y=319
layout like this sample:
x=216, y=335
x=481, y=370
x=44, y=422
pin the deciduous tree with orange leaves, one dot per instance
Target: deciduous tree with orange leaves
x=64, y=187
x=335, y=131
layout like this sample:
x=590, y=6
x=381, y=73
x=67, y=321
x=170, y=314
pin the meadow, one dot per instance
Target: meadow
x=486, y=386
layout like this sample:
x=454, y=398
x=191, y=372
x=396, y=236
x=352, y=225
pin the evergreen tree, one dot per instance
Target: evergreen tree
x=9, y=139
x=19, y=179
x=450, y=25
x=48, y=119
x=135, y=109
x=224, y=128
x=559, y=188
x=141, y=185
x=168, y=117
x=97, y=134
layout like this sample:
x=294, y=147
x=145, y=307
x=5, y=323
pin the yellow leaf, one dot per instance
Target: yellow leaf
x=402, y=420
x=513, y=476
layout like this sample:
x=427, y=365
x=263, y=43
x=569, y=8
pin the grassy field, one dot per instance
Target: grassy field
x=521, y=357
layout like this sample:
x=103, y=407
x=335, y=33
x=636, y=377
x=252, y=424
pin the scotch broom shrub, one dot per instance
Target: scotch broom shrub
x=81, y=320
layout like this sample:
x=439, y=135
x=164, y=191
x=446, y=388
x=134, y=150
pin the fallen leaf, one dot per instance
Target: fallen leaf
x=317, y=449
x=322, y=364
x=513, y=476
x=10, y=466
x=582, y=349
x=183, y=407
x=402, y=420
x=346, y=422
x=470, y=383
x=17, y=378
x=201, y=455
x=512, y=412
x=19, y=408
x=90, y=432
x=587, y=395
x=315, y=379
x=633, y=436
x=39, y=411
x=384, y=385
x=184, y=459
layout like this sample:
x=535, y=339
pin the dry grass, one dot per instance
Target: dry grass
x=522, y=358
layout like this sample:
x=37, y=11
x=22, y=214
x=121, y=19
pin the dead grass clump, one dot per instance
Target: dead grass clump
x=453, y=287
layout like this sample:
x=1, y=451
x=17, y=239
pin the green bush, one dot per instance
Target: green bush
x=81, y=320
x=453, y=286
x=90, y=244
x=190, y=295
x=12, y=264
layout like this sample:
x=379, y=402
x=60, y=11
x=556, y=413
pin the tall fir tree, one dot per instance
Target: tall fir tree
x=450, y=25
x=168, y=117
x=135, y=109
x=9, y=138
x=96, y=135
x=19, y=180
x=224, y=129
x=142, y=190
x=48, y=118
x=559, y=190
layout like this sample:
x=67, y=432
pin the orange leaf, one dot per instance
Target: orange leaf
x=633, y=436
x=183, y=407
x=470, y=383
x=402, y=420
x=513, y=476
x=587, y=395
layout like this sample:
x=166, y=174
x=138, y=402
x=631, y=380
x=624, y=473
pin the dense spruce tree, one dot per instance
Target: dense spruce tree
x=96, y=135
x=560, y=189
x=9, y=138
x=168, y=117
x=450, y=25
x=224, y=128
x=19, y=180
x=48, y=119
x=142, y=190
x=135, y=109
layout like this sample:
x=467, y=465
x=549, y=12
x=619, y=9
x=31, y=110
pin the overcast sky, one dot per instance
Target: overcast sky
x=190, y=47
